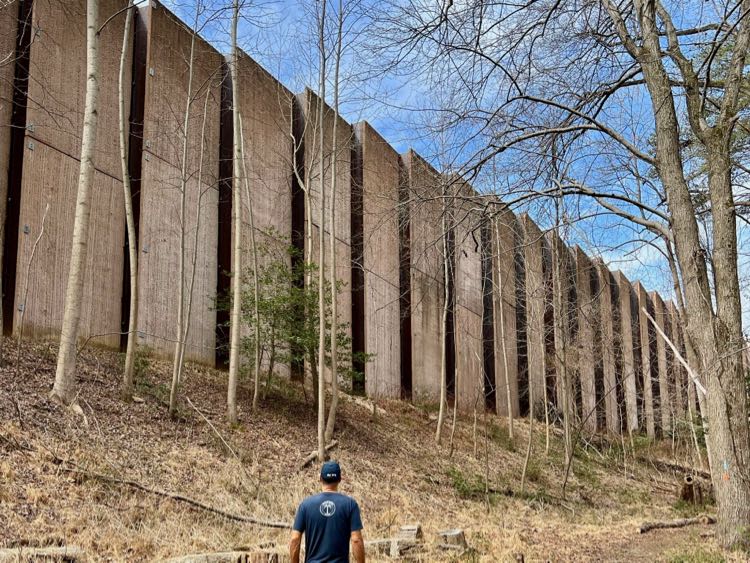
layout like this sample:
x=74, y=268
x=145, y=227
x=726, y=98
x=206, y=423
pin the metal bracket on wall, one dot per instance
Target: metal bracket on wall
x=31, y=145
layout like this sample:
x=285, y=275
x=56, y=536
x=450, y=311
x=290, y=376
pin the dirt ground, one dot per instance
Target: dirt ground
x=390, y=462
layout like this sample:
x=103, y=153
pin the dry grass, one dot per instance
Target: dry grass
x=390, y=462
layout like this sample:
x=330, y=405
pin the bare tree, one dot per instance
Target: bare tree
x=63, y=390
x=234, y=321
x=612, y=82
x=127, y=376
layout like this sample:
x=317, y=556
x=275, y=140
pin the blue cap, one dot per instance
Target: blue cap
x=330, y=472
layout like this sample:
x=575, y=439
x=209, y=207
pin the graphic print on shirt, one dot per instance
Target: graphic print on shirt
x=327, y=508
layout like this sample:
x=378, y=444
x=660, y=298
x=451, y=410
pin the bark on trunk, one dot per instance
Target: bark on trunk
x=234, y=322
x=127, y=376
x=64, y=387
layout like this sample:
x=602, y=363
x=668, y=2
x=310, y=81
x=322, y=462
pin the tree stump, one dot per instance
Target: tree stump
x=452, y=539
x=691, y=491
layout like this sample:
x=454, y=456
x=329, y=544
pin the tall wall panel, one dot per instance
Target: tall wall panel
x=679, y=374
x=8, y=30
x=56, y=95
x=469, y=303
x=627, y=349
x=607, y=346
x=266, y=110
x=562, y=276
x=426, y=283
x=666, y=385
x=380, y=262
x=311, y=139
x=646, y=337
x=504, y=234
x=163, y=176
x=533, y=253
x=585, y=344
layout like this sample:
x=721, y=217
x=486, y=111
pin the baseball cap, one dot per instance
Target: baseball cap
x=330, y=472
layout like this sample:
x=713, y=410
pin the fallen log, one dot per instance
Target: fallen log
x=681, y=523
x=178, y=497
x=314, y=455
x=232, y=557
x=676, y=467
x=68, y=554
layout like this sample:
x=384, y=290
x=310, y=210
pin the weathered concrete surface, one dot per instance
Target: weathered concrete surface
x=424, y=184
x=341, y=198
x=562, y=276
x=266, y=110
x=166, y=95
x=679, y=374
x=608, y=343
x=469, y=302
x=646, y=338
x=8, y=30
x=51, y=179
x=533, y=248
x=51, y=148
x=504, y=235
x=587, y=323
x=666, y=407
x=380, y=184
x=57, y=88
x=627, y=350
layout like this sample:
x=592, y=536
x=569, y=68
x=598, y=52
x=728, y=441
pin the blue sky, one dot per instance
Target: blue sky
x=279, y=35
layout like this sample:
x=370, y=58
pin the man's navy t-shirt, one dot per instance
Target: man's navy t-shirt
x=327, y=520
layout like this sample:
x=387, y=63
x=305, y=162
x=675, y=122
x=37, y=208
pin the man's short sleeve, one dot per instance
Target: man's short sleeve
x=355, y=520
x=299, y=519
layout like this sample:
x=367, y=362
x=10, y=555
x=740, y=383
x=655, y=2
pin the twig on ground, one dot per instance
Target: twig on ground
x=313, y=455
x=178, y=497
x=702, y=519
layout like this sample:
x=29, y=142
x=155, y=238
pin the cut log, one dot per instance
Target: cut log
x=394, y=547
x=314, y=455
x=702, y=519
x=453, y=537
x=411, y=532
x=69, y=554
x=232, y=557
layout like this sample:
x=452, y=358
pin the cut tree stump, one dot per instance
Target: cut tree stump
x=68, y=554
x=410, y=532
x=691, y=491
x=454, y=538
x=702, y=519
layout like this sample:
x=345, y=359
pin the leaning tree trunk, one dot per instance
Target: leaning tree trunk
x=234, y=321
x=64, y=387
x=127, y=376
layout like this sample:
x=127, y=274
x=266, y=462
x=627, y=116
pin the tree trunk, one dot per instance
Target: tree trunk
x=444, y=324
x=334, y=182
x=234, y=322
x=180, y=328
x=64, y=387
x=256, y=283
x=321, y=240
x=127, y=376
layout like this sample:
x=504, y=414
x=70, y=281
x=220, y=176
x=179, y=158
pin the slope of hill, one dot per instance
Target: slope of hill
x=49, y=455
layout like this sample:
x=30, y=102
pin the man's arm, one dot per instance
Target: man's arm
x=358, y=546
x=294, y=544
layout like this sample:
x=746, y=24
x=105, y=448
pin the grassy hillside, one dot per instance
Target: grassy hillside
x=390, y=462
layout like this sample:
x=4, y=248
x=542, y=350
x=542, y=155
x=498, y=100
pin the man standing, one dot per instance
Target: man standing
x=328, y=520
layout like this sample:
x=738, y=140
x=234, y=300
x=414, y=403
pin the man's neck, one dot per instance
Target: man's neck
x=330, y=488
